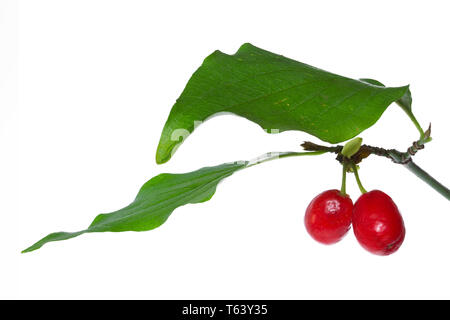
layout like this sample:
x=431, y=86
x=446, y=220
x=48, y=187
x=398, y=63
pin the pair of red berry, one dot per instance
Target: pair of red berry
x=377, y=222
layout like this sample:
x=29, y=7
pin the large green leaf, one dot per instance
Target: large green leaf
x=161, y=195
x=277, y=93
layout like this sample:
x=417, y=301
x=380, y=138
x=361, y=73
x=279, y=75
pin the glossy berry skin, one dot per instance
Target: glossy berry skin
x=377, y=223
x=329, y=216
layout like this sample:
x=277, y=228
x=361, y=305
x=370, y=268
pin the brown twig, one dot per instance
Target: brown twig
x=366, y=150
x=404, y=158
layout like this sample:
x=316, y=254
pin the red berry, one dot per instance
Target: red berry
x=328, y=216
x=377, y=223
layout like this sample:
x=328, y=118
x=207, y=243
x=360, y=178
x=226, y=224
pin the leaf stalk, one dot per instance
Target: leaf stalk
x=411, y=116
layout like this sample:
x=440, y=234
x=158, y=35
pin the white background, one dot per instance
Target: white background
x=86, y=87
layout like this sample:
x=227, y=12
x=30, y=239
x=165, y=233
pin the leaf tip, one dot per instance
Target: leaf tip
x=163, y=153
x=160, y=159
x=33, y=247
x=56, y=236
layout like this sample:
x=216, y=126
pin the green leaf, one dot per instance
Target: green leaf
x=162, y=194
x=156, y=200
x=277, y=93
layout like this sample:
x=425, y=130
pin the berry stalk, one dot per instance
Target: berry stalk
x=358, y=181
x=344, y=178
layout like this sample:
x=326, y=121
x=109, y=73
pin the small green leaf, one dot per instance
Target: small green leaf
x=277, y=93
x=162, y=194
x=156, y=200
